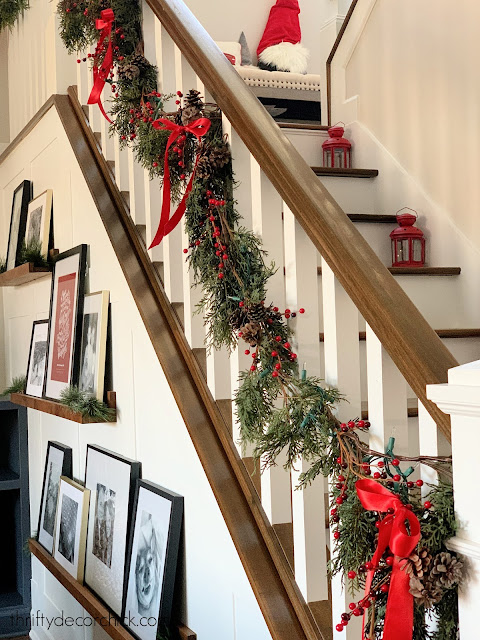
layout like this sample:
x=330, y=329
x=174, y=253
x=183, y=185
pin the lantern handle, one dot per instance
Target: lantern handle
x=409, y=209
x=339, y=122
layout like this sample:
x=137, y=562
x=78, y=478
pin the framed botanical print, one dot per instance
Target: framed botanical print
x=94, y=343
x=111, y=479
x=39, y=214
x=71, y=527
x=18, y=222
x=65, y=328
x=57, y=463
x=152, y=558
x=37, y=359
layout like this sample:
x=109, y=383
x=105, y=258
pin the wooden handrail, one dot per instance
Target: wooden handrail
x=284, y=609
x=336, y=44
x=406, y=335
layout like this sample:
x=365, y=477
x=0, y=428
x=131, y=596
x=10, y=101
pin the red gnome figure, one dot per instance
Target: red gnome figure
x=280, y=48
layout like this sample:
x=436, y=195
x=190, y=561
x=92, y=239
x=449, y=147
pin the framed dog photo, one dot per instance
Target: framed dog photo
x=152, y=558
x=39, y=214
x=66, y=315
x=37, y=359
x=71, y=527
x=57, y=463
x=18, y=223
x=94, y=343
x=111, y=479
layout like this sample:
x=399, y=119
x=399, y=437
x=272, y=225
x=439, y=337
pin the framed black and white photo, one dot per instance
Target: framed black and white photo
x=37, y=359
x=57, y=463
x=111, y=479
x=18, y=223
x=152, y=559
x=66, y=315
x=37, y=233
x=71, y=527
x=94, y=343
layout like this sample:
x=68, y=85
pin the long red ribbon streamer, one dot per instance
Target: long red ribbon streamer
x=392, y=533
x=199, y=128
x=100, y=74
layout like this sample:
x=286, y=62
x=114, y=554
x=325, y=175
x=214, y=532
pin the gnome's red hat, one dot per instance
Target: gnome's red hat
x=280, y=47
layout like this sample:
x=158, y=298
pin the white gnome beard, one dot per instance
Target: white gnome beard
x=286, y=56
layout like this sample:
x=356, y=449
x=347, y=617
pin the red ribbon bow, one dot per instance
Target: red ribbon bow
x=392, y=533
x=101, y=73
x=199, y=128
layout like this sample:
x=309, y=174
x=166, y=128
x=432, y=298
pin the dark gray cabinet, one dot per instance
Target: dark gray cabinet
x=15, y=564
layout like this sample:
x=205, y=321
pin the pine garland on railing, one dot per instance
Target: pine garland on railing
x=10, y=10
x=228, y=262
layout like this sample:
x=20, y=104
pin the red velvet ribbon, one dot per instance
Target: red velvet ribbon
x=392, y=533
x=101, y=73
x=199, y=128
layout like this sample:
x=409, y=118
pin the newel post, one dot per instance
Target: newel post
x=460, y=398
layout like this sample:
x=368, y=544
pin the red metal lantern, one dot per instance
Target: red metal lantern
x=408, y=242
x=337, y=150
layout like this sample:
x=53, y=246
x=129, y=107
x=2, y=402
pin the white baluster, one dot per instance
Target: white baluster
x=308, y=505
x=387, y=398
x=342, y=369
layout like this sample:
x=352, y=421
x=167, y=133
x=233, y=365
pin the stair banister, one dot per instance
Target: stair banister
x=408, y=338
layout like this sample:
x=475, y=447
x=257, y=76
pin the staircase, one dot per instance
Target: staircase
x=361, y=330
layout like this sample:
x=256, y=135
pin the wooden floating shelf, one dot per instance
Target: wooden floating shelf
x=109, y=622
x=345, y=173
x=418, y=271
x=21, y=275
x=441, y=333
x=59, y=409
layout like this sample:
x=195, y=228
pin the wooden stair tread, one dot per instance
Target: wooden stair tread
x=418, y=271
x=373, y=217
x=345, y=173
x=322, y=612
x=301, y=125
x=412, y=409
x=441, y=333
x=284, y=532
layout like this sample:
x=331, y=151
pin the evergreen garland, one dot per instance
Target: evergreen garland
x=86, y=404
x=278, y=407
x=17, y=385
x=32, y=252
x=10, y=11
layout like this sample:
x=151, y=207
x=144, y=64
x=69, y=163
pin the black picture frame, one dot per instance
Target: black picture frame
x=66, y=470
x=14, y=247
x=30, y=354
x=135, y=473
x=171, y=549
x=75, y=351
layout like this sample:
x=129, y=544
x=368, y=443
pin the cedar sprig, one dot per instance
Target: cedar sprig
x=17, y=385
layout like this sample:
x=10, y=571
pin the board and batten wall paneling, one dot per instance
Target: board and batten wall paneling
x=219, y=602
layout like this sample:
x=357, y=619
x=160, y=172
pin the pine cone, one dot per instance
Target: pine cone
x=238, y=318
x=418, y=563
x=252, y=333
x=190, y=114
x=425, y=593
x=447, y=570
x=219, y=156
x=193, y=99
x=133, y=67
x=257, y=313
x=204, y=168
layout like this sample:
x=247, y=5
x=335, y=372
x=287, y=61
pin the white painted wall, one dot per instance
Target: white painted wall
x=402, y=83
x=218, y=602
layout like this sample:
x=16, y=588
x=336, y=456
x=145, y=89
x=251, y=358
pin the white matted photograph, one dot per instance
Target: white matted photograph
x=152, y=558
x=111, y=479
x=94, y=343
x=37, y=359
x=39, y=214
x=71, y=527
x=58, y=463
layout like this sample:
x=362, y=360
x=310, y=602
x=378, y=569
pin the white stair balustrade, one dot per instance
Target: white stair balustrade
x=342, y=370
x=460, y=399
x=308, y=505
